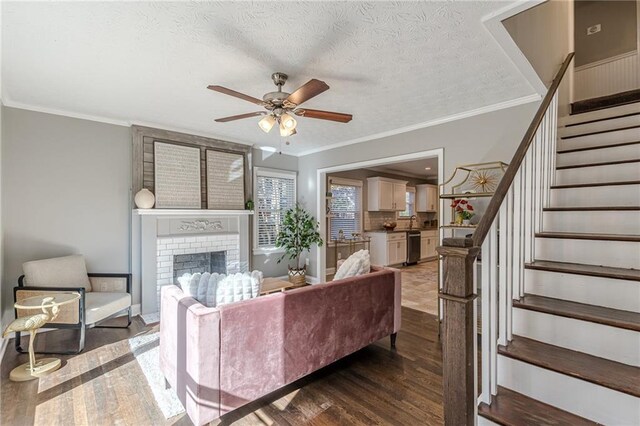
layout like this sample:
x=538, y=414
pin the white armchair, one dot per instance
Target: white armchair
x=102, y=296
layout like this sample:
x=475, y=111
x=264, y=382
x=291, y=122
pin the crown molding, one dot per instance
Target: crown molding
x=478, y=111
x=118, y=122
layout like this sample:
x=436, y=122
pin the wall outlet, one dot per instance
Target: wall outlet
x=594, y=29
x=306, y=261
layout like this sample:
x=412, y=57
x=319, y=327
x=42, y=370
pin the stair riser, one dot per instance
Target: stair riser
x=609, y=138
x=616, y=344
x=599, y=222
x=596, y=196
x=599, y=114
x=615, y=153
x=607, y=292
x=582, y=398
x=599, y=126
x=485, y=422
x=610, y=173
x=617, y=254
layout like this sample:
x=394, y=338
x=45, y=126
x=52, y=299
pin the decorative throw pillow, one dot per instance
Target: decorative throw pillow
x=189, y=284
x=256, y=283
x=358, y=263
x=212, y=288
x=203, y=284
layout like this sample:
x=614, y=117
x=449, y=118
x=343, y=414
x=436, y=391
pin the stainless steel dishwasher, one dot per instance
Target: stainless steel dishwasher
x=413, y=247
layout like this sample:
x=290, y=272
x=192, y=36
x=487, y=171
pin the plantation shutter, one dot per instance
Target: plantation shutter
x=274, y=196
x=346, y=209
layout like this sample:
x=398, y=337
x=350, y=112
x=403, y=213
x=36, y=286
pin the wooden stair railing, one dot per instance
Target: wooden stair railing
x=531, y=190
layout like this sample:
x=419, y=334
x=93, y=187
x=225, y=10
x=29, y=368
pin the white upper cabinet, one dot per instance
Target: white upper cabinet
x=426, y=198
x=386, y=194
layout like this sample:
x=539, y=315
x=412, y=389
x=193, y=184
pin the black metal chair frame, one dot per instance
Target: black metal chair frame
x=81, y=325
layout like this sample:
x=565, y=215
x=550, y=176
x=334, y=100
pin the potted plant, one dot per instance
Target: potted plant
x=463, y=211
x=298, y=233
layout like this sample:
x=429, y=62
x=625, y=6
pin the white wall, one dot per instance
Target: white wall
x=65, y=189
x=493, y=136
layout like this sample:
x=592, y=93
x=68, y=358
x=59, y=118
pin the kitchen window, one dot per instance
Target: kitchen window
x=275, y=193
x=411, y=204
x=346, y=207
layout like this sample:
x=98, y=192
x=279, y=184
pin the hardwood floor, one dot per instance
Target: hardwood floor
x=105, y=385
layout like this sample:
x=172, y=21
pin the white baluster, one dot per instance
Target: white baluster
x=515, y=271
x=493, y=304
x=485, y=296
x=502, y=273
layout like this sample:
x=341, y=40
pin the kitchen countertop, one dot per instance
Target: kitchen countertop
x=400, y=230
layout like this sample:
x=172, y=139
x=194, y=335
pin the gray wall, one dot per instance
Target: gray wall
x=543, y=34
x=492, y=136
x=619, y=29
x=65, y=189
x=268, y=264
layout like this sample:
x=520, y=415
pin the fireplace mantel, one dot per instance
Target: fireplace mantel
x=191, y=212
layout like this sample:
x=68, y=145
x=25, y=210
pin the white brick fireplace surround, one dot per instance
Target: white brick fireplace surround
x=161, y=234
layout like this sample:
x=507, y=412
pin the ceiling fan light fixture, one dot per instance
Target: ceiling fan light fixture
x=284, y=132
x=266, y=124
x=288, y=121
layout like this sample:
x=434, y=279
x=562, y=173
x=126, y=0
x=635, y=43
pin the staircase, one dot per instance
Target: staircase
x=573, y=354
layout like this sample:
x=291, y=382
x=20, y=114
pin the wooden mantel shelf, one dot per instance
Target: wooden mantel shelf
x=191, y=212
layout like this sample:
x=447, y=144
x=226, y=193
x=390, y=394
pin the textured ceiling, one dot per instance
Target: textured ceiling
x=414, y=168
x=390, y=64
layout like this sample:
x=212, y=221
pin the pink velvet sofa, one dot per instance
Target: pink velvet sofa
x=218, y=359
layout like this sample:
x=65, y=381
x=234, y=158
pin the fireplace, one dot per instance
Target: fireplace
x=211, y=261
x=174, y=242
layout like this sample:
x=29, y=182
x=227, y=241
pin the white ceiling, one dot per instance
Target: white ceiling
x=390, y=64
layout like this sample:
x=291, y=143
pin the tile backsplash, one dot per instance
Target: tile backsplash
x=374, y=220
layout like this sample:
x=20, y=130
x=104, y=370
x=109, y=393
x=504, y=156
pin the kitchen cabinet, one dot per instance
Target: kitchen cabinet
x=385, y=194
x=428, y=244
x=388, y=248
x=426, y=198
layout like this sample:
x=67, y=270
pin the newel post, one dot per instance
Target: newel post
x=457, y=331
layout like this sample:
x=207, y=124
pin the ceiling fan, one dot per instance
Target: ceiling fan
x=281, y=105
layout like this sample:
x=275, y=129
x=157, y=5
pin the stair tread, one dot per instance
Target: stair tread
x=598, y=132
x=589, y=236
x=581, y=269
x=586, y=185
x=589, y=148
x=596, y=120
x=592, y=208
x=597, y=314
x=513, y=408
x=605, y=163
x=611, y=374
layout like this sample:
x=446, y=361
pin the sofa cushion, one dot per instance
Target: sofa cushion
x=358, y=263
x=67, y=271
x=100, y=305
x=219, y=289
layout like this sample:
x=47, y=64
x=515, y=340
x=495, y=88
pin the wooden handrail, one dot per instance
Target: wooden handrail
x=505, y=183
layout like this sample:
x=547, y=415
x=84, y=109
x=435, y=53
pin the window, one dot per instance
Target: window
x=411, y=204
x=346, y=207
x=275, y=193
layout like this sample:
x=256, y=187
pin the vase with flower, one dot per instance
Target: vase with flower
x=463, y=212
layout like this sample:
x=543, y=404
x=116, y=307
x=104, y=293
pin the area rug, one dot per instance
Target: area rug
x=146, y=350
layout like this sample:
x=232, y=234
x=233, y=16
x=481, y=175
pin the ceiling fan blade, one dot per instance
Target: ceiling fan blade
x=324, y=115
x=236, y=94
x=240, y=117
x=307, y=91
